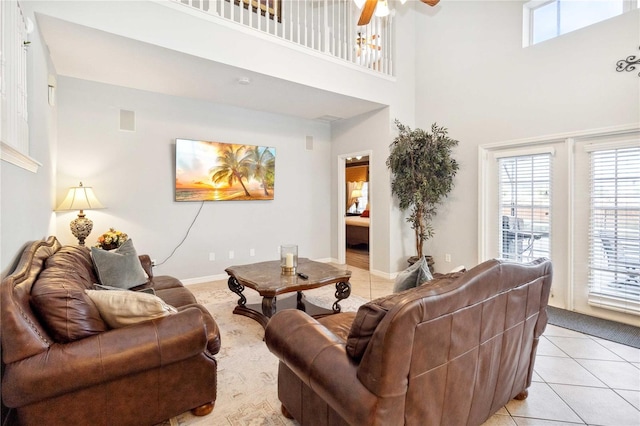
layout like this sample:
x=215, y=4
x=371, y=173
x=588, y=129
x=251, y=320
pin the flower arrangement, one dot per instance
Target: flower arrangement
x=112, y=239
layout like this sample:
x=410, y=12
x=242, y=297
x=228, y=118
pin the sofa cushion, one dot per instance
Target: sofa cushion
x=58, y=296
x=74, y=258
x=119, y=268
x=413, y=276
x=120, y=308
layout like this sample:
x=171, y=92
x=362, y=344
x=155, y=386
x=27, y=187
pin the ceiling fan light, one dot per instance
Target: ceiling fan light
x=359, y=3
x=382, y=9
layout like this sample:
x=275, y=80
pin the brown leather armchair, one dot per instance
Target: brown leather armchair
x=450, y=352
x=140, y=374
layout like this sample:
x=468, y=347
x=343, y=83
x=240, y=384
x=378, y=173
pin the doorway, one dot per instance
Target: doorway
x=357, y=211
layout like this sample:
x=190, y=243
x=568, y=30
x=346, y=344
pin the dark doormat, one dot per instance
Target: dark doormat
x=604, y=329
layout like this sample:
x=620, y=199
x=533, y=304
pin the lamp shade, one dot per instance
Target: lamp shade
x=356, y=193
x=382, y=9
x=80, y=198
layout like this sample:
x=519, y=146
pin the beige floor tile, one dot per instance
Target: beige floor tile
x=358, y=274
x=536, y=377
x=632, y=397
x=500, y=420
x=525, y=421
x=542, y=403
x=503, y=411
x=553, y=330
x=623, y=351
x=545, y=347
x=583, y=348
x=375, y=278
x=597, y=406
x=564, y=371
x=616, y=375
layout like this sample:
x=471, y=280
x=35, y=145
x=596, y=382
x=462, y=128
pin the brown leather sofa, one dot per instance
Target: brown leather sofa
x=140, y=374
x=452, y=351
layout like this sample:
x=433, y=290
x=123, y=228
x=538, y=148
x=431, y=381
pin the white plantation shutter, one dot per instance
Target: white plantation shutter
x=614, y=233
x=525, y=206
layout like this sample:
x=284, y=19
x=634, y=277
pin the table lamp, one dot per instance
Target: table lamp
x=80, y=198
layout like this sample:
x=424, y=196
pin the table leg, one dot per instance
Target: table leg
x=343, y=290
x=300, y=302
x=268, y=306
x=237, y=288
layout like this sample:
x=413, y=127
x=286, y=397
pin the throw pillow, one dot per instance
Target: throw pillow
x=149, y=290
x=363, y=326
x=119, y=308
x=119, y=268
x=365, y=213
x=413, y=276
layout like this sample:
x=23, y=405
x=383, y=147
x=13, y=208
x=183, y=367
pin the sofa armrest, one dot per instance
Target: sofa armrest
x=320, y=360
x=147, y=265
x=104, y=357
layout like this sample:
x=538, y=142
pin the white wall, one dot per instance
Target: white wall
x=133, y=175
x=476, y=79
x=27, y=198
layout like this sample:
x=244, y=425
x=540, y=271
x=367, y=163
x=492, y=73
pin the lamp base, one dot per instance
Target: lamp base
x=288, y=270
x=81, y=227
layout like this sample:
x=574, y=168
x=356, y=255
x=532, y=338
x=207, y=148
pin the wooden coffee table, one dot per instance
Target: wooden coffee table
x=267, y=280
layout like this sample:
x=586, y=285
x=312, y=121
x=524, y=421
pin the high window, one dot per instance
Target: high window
x=524, y=188
x=14, y=120
x=614, y=266
x=548, y=19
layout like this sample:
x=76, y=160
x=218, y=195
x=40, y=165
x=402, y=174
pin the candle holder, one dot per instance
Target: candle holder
x=289, y=259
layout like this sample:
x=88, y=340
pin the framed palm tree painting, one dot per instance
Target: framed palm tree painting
x=217, y=171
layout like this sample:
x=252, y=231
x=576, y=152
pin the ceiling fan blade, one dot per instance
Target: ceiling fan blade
x=367, y=12
x=430, y=2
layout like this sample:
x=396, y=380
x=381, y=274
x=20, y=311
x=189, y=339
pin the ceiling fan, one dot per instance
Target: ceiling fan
x=370, y=6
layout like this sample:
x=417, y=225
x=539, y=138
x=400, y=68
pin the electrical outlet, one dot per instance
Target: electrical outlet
x=447, y=257
x=212, y=257
x=231, y=254
x=252, y=252
x=153, y=262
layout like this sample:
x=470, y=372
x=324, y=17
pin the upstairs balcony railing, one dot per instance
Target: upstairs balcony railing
x=326, y=26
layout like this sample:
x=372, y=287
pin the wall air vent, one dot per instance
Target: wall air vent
x=328, y=118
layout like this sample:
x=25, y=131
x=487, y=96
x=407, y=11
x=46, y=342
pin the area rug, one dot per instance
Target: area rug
x=247, y=371
x=604, y=329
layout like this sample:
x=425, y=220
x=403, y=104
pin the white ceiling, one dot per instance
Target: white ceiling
x=86, y=53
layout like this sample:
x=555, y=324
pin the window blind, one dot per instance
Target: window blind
x=525, y=206
x=614, y=233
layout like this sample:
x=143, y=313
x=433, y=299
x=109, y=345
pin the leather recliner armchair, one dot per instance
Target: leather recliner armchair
x=452, y=351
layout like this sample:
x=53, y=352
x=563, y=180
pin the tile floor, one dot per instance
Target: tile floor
x=579, y=379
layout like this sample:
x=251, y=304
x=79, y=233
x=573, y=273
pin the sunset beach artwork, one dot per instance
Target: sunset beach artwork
x=217, y=171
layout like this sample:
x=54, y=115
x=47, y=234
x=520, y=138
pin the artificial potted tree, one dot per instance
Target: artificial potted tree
x=422, y=171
